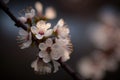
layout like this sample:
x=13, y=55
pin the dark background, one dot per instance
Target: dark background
x=78, y=14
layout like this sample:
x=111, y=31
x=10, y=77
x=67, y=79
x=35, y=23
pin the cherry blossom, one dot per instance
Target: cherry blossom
x=41, y=29
x=24, y=38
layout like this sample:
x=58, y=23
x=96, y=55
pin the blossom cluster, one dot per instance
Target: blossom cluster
x=53, y=42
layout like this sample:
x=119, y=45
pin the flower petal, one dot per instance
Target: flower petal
x=50, y=13
x=60, y=23
x=40, y=24
x=42, y=46
x=49, y=42
x=38, y=7
x=55, y=54
x=22, y=19
x=23, y=32
x=48, y=33
x=29, y=15
x=48, y=25
x=42, y=54
x=65, y=56
x=56, y=66
x=26, y=44
x=34, y=65
x=38, y=36
x=34, y=30
x=47, y=59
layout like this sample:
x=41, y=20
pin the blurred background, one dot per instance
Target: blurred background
x=80, y=15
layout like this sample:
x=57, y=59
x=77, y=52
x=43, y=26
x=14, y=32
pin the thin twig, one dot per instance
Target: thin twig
x=18, y=23
x=9, y=13
x=70, y=71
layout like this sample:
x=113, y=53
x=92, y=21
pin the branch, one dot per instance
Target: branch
x=70, y=71
x=18, y=23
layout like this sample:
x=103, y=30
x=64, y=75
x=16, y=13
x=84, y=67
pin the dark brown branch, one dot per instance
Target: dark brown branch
x=70, y=71
x=4, y=7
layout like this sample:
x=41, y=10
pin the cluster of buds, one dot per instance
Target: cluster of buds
x=53, y=43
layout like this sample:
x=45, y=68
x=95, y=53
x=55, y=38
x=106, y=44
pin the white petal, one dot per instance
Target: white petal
x=55, y=46
x=48, y=25
x=22, y=19
x=29, y=15
x=42, y=46
x=47, y=59
x=34, y=30
x=49, y=42
x=38, y=7
x=55, y=55
x=50, y=13
x=38, y=36
x=34, y=65
x=60, y=23
x=43, y=54
x=40, y=24
x=56, y=66
x=23, y=32
x=48, y=32
x=65, y=56
x=26, y=44
x=33, y=12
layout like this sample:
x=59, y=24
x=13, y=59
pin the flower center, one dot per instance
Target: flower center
x=41, y=33
x=48, y=49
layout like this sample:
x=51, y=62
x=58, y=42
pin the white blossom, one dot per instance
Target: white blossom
x=67, y=48
x=89, y=69
x=38, y=7
x=50, y=13
x=40, y=67
x=28, y=15
x=50, y=51
x=24, y=38
x=61, y=29
x=41, y=29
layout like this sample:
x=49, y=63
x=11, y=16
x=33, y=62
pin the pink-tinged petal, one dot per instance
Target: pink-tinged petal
x=50, y=13
x=60, y=23
x=49, y=42
x=40, y=24
x=42, y=46
x=48, y=25
x=48, y=33
x=23, y=32
x=38, y=7
x=29, y=15
x=33, y=12
x=42, y=54
x=65, y=56
x=56, y=66
x=34, y=65
x=55, y=54
x=26, y=44
x=38, y=36
x=34, y=30
x=22, y=19
x=47, y=59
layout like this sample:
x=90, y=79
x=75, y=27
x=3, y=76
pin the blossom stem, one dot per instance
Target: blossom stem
x=70, y=71
x=18, y=23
